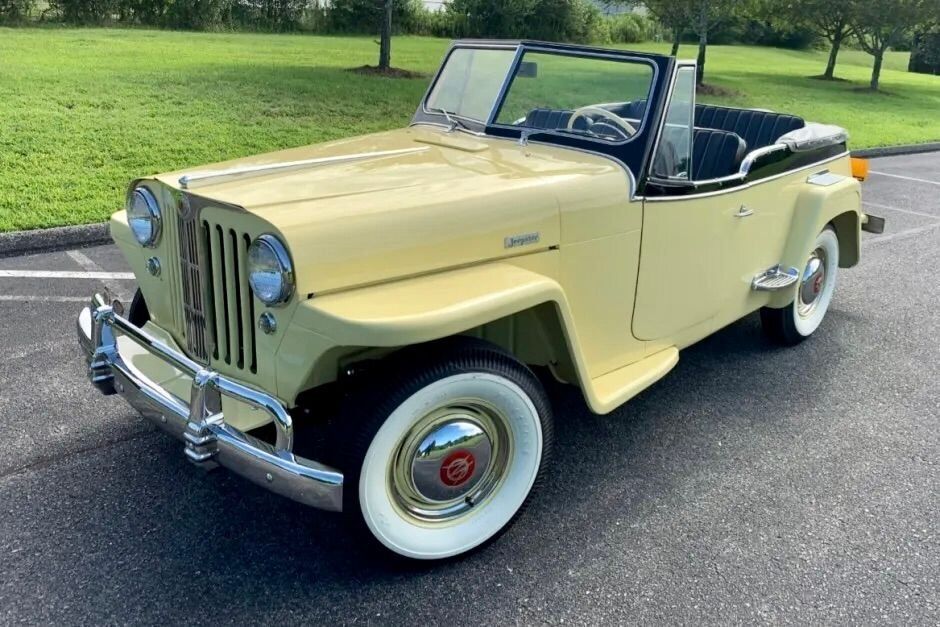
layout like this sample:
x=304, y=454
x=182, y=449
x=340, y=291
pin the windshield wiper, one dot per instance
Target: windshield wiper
x=455, y=123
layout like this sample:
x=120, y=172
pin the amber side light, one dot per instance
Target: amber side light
x=860, y=168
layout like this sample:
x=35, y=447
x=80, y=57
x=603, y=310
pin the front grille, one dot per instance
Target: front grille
x=216, y=302
x=194, y=310
x=231, y=297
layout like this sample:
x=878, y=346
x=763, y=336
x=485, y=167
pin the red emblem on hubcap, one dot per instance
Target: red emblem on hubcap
x=457, y=468
x=817, y=284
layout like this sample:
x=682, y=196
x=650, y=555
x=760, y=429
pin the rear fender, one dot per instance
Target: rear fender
x=839, y=205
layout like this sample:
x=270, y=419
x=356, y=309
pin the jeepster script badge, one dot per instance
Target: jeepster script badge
x=521, y=240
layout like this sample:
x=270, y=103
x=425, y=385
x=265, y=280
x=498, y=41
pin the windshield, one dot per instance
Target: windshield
x=469, y=82
x=589, y=96
x=598, y=97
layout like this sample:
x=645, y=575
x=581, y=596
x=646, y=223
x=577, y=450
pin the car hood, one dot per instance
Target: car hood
x=400, y=203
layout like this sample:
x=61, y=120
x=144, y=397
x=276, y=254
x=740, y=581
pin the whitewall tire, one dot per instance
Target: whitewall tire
x=812, y=294
x=451, y=442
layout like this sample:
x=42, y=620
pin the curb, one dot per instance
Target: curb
x=893, y=151
x=57, y=238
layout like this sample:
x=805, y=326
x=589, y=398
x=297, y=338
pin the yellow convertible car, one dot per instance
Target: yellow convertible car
x=353, y=325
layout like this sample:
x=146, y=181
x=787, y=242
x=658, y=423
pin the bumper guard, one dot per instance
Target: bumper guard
x=199, y=423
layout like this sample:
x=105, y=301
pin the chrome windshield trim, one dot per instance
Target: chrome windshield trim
x=187, y=180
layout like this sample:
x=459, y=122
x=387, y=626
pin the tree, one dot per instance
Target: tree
x=704, y=16
x=671, y=14
x=385, y=43
x=884, y=23
x=833, y=20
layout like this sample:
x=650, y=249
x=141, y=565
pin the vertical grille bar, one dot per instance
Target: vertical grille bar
x=218, y=288
x=247, y=304
x=231, y=299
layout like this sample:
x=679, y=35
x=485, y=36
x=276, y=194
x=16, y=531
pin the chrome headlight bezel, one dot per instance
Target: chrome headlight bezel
x=154, y=215
x=285, y=269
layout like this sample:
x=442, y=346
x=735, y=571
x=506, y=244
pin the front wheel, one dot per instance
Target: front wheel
x=447, y=444
x=813, y=293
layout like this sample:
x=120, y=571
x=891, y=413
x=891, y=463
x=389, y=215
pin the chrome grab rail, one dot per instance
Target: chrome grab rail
x=749, y=160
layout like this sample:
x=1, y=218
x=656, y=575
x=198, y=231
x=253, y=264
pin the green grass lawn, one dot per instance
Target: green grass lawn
x=82, y=111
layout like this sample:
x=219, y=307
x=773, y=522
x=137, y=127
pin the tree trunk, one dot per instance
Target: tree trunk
x=702, y=45
x=833, y=54
x=676, y=35
x=385, y=45
x=876, y=70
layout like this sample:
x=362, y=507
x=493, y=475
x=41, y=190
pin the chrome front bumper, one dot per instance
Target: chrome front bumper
x=199, y=422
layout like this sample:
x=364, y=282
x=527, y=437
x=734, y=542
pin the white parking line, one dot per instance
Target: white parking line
x=906, y=178
x=115, y=288
x=910, y=211
x=64, y=274
x=878, y=239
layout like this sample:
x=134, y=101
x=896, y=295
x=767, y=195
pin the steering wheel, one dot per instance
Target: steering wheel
x=618, y=121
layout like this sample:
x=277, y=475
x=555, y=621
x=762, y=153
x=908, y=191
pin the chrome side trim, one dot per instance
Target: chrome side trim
x=199, y=422
x=187, y=180
x=746, y=185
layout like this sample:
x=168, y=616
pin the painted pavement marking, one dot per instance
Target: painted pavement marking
x=906, y=178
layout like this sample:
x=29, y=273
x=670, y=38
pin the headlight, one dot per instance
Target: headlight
x=269, y=270
x=143, y=215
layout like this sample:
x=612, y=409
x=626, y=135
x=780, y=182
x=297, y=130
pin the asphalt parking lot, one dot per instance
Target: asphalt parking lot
x=753, y=484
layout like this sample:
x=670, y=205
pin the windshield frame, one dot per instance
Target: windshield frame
x=520, y=49
x=462, y=45
x=633, y=154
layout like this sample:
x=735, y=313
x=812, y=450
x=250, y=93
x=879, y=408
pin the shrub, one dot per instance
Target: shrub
x=13, y=11
x=198, y=14
x=630, y=28
x=365, y=16
x=550, y=20
x=84, y=11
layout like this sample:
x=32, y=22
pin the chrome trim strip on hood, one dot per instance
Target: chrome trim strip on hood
x=186, y=180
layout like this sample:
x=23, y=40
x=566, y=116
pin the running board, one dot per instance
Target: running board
x=774, y=279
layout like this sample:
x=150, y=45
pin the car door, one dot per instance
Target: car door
x=754, y=236
x=682, y=255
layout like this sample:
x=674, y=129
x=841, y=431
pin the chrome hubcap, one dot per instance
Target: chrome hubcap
x=453, y=459
x=812, y=283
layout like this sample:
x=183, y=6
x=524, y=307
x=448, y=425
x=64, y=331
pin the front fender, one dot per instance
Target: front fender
x=413, y=311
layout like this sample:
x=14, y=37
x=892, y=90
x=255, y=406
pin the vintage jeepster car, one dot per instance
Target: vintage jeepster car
x=353, y=325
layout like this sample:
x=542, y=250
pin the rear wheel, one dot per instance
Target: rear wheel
x=446, y=445
x=812, y=294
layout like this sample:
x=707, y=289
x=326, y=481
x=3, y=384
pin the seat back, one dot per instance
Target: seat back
x=547, y=118
x=716, y=153
x=756, y=128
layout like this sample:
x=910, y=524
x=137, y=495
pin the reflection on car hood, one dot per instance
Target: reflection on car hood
x=399, y=203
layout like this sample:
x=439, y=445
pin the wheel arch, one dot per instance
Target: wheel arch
x=848, y=226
